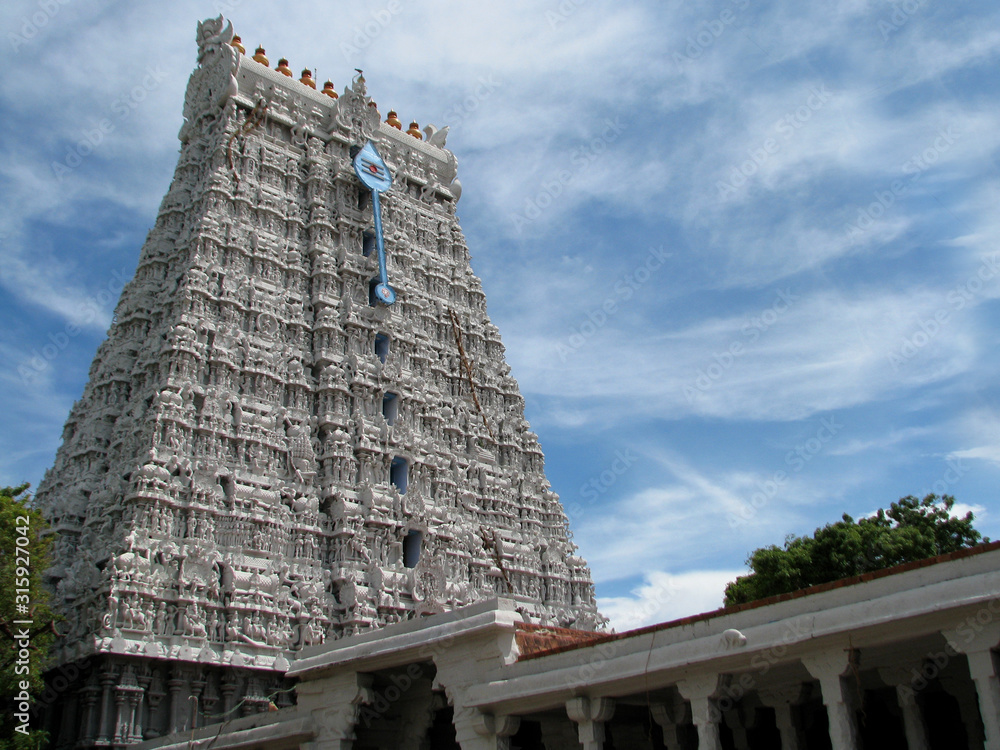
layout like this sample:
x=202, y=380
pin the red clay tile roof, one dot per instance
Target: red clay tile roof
x=540, y=639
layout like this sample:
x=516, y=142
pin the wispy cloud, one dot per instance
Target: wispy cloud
x=663, y=597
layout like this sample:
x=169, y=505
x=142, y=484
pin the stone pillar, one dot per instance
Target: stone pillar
x=68, y=718
x=197, y=686
x=335, y=703
x=417, y=715
x=475, y=730
x=590, y=714
x=703, y=693
x=783, y=700
x=839, y=694
x=739, y=720
x=143, y=679
x=901, y=678
x=122, y=719
x=136, y=729
x=90, y=697
x=964, y=692
x=978, y=645
x=180, y=708
x=229, y=690
x=108, y=678
x=670, y=717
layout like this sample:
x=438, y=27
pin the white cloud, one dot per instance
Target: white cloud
x=881, y=442
x=960, y=510
x=794, y=356
x=663, y=526
x=983, y=452
x=663, y=597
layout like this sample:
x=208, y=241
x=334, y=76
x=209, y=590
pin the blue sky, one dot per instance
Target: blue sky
x=743, y=255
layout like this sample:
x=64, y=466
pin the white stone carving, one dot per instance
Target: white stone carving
x=225, y=486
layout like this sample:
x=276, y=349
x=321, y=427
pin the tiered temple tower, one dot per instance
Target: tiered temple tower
x=265, y=455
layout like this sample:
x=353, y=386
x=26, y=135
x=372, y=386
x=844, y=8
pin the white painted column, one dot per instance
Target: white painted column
x=901, y=678
x=475, y=730
x=703, y=693
x=964, y=691
x=670, y=717
x=977, y=643
x=783, y=700
x=335, y=704
x=839, y=694
x=590, y=714
x=739, y=721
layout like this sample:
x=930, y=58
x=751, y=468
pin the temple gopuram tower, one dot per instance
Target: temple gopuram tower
x=267, y=455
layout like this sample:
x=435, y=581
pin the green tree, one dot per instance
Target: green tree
x=27, y=624
x=910, y=529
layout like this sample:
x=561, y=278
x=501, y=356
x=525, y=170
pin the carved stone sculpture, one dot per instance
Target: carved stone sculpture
x=262, y=459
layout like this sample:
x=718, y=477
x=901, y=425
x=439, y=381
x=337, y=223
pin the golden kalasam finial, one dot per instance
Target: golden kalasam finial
x=261, y=57
x=393, y=120
x=237, y=44
x=307, y=78
x=415, y=131
x=283, y=68
x=329, y=90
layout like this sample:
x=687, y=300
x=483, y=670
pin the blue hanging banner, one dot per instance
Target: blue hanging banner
x=374, y=175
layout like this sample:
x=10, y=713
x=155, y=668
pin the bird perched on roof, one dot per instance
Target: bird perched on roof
x=436, y=137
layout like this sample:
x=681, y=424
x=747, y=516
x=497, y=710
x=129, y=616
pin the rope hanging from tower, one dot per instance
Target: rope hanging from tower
x=254, y=120
x=492, y=545
x=456, y=329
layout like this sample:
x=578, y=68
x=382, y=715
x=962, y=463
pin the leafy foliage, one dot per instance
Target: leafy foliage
x=910, y=529
x=22, y=669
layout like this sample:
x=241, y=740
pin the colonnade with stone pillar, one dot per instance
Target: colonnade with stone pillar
x=700, y=702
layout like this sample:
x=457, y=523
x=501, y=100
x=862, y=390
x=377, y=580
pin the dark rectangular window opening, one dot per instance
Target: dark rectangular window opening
x=381, y=346
x=363, y=199
x=390, y=408
x=399, y=474
x=411, y=548
x=367, y=242
x=372, y=298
